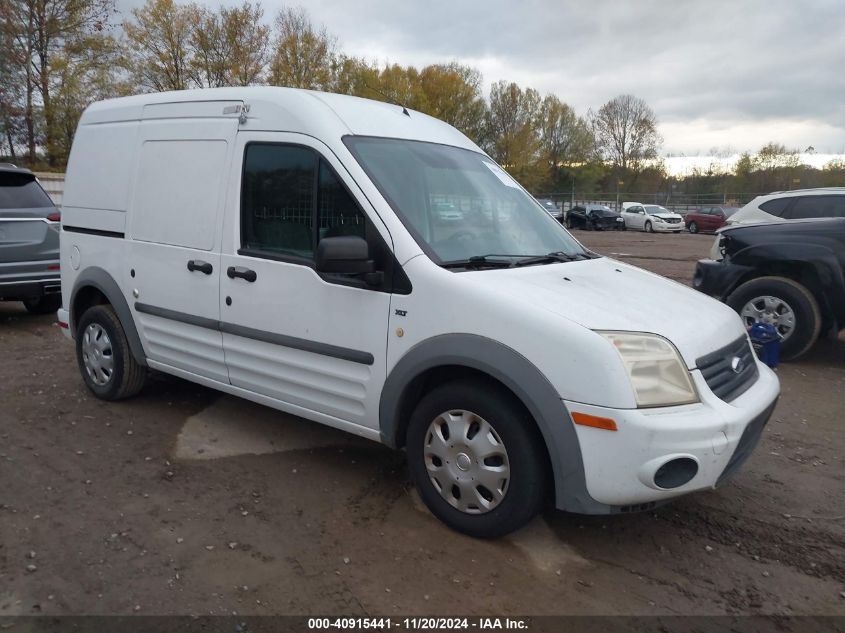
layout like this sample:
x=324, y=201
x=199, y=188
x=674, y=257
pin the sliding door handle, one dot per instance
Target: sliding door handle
x=243, y=273
x=200, y=266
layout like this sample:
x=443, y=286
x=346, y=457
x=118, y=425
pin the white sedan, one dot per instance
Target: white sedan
x=651, y=218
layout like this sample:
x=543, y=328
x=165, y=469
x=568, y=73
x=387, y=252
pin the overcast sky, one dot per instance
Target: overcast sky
x=728, y=74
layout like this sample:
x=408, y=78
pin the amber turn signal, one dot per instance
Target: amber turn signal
x=595, y=421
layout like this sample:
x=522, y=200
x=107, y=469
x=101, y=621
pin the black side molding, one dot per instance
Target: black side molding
x=173, y=315
x=79, y=229
x=343, y=353
x=315, y=347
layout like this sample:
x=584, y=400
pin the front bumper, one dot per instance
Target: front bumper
x=666, y=227
x=609, y=225
x=717, y=278
x=620, y=467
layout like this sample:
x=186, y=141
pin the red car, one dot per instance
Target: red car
x=708, y=218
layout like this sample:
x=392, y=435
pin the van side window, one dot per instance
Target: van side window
x=277, y=199
x=337, y=211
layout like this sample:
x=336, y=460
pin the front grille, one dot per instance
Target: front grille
x=673, y=220
x=718, y=371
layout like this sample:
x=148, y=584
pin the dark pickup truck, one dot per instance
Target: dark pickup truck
x=788, y=274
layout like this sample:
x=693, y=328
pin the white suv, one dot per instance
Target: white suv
x=285, y=246
x=785, y=206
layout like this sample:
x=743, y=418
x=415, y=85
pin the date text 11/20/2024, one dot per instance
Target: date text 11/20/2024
x=418, y=624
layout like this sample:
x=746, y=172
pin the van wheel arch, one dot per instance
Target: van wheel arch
x=461, y=356
x=95, y=286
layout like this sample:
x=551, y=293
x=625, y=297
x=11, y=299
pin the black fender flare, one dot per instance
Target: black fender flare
x=822, y=259
x=98, y=278
x=519, y=375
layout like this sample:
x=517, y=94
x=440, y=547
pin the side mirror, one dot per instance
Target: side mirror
x=346, y=254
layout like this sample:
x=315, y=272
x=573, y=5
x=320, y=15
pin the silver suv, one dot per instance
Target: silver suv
x=29, y=242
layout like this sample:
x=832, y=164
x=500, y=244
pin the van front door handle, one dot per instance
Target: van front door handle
x=201, y=266
x=243, y=273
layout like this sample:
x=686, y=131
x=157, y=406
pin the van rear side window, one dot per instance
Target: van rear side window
x=179, y=207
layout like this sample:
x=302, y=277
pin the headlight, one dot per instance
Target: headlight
x=657, y=372
x=658, y=219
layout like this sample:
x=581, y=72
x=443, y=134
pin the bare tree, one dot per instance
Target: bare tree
x=625, y=130
x=304, y=55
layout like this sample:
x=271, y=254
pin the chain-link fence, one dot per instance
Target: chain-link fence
x=677, y=202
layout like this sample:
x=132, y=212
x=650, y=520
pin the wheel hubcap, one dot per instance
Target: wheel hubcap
x=97, y=354
x=466, y=461
x=771, y=310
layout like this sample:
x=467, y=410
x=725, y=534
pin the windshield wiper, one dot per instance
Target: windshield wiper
x=550, y=258
x=478, y=261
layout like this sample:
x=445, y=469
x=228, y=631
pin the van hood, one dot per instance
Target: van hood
x=604, y=294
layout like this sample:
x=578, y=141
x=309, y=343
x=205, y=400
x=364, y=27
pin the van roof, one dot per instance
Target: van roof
x=319, y=114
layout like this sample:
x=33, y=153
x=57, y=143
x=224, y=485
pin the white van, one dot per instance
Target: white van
x=287, y=246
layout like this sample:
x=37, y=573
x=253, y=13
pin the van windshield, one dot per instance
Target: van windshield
x=459, y=205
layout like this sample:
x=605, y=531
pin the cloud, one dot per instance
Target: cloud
x=717, y=72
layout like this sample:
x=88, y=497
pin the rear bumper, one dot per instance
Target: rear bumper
x=31, y=288
x=63, y=317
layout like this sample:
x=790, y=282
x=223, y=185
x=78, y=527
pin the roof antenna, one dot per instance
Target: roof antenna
x=389, y=100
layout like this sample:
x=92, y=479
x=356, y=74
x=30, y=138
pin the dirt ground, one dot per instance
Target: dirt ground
x=185, y=501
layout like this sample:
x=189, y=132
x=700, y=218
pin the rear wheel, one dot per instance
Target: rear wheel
x=45, y=304
x=476, y=459
x=783, y=303
x=103, y=355
x=693, y=227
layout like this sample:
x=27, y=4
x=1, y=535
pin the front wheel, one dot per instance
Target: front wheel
x=693, y=227
x=648, y=228
x=476, y=459
x=783, y=303
x=103, y=355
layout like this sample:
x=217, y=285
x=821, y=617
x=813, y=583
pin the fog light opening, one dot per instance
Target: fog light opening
x=675, y=473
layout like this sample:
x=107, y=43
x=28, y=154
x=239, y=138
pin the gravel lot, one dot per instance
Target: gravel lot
x=186, y=501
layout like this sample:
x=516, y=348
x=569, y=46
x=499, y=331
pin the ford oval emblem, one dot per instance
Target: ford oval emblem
x=737, y=364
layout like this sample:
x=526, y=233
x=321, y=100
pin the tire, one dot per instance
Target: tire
x=524, y=458
x=119, y=375
x=805, y=309
x=693, y=227
x=648, y=228
x=45, y=304
x=570, y=224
